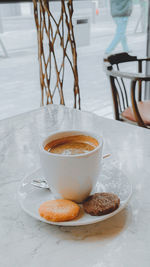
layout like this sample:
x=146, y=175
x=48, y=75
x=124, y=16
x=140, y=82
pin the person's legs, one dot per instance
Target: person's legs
x=117, y=37
x=124, y=40
x=121, y=23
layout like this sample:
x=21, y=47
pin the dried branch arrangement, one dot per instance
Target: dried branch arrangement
x=50, y=33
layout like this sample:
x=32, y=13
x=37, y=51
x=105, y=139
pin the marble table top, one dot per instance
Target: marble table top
x=121, y=241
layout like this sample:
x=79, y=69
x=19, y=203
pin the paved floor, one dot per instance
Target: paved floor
x=19, y=73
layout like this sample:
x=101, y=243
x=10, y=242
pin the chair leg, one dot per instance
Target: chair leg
x=134, y=105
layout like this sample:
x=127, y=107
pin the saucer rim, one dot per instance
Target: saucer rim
x=96, y=219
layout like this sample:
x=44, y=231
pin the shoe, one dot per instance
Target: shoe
x=128, y=51
x=106, y=55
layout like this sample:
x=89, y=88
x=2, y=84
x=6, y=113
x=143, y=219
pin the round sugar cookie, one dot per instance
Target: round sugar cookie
x=59, y=210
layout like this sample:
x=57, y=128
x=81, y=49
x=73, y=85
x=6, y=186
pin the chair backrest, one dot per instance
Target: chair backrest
x=120, y=80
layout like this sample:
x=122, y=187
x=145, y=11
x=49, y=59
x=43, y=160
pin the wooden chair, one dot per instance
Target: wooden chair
x=128, y=89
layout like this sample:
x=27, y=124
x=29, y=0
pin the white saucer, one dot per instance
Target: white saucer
x=111, y=180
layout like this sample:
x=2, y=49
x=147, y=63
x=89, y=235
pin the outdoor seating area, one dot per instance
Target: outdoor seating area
x=74, y=133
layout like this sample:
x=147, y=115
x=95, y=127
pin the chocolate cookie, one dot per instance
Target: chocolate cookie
x=101, y=204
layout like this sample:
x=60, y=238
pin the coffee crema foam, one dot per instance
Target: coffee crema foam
x=72, y=145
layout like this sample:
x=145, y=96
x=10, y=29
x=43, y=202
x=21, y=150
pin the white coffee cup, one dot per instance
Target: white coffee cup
x=71, y=176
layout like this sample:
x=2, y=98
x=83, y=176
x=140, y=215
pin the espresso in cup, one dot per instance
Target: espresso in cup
x=71, y=163
x=72, y=145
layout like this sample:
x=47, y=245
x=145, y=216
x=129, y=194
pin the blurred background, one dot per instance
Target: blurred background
x=94, y=29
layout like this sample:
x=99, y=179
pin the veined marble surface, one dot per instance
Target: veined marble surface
x=121, y=241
